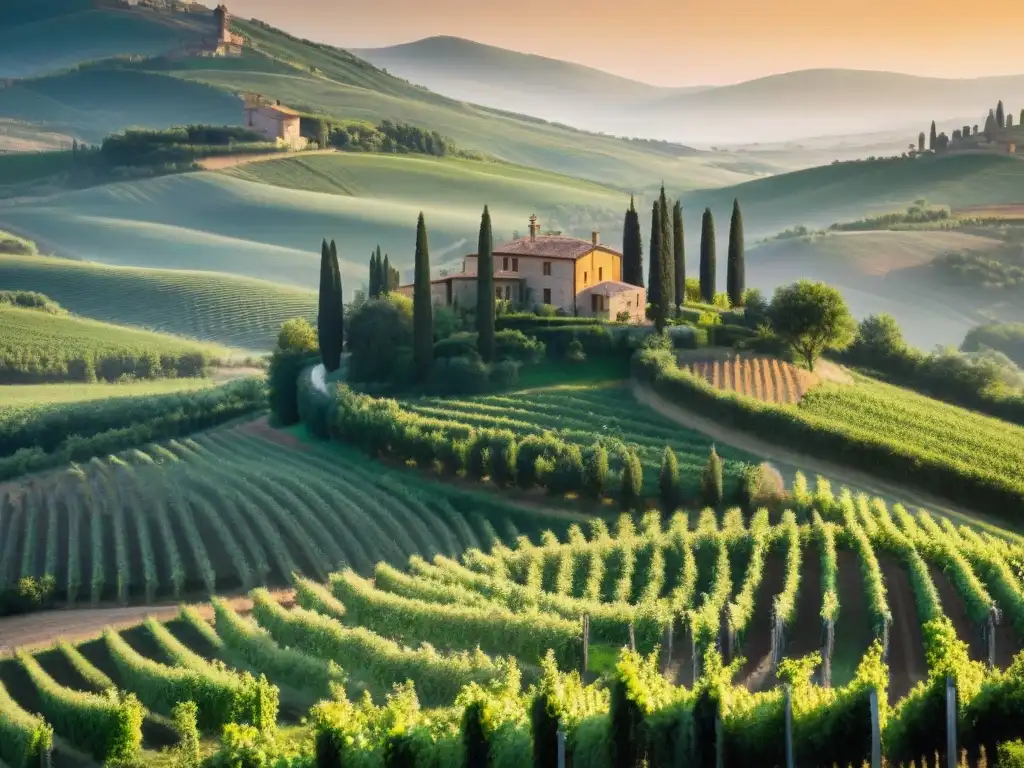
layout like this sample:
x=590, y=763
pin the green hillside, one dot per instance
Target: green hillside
x=224, y=309
x=216, y=222
x=16, y=396
x=93, y=102
x=60, y=41
x=820, y=196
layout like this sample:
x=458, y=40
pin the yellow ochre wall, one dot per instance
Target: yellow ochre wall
x=597, y=260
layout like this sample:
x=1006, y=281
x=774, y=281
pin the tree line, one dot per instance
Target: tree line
x=999, y=119
x=666, y=281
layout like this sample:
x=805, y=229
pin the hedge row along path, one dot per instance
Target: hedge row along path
x=789, y=461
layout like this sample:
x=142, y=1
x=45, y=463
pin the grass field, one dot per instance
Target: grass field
x=884, y=272
x=212, y=221
x=29, y=395
x=217, y=308
x=229, y=510
x=870, y=574
x=581, y=414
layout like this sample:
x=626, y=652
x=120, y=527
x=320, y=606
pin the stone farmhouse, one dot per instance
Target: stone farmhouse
x=579, y=277
x=274, y=122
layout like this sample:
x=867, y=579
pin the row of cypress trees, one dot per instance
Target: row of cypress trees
x=666, y=284
x=331, y=312
x=383, y=277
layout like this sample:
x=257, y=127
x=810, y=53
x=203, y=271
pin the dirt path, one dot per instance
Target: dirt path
x=230, y=161
x=906, y=643
x=789, y=462
x=77, y=624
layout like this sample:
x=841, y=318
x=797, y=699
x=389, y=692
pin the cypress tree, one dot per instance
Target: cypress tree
x=668, y=481
x=1021, y=121
x=654, y=277
x=632, y=248
x=386, y=272
x=707, y=258
x=668, y=258
x=1000, y=115
x=932, y=137
x=324, y=304
x=711, y=481
x=337, y=310
x=422, y=311
x=920, y=142
x=374, y=278
x=631, y=482
x=485, y=289
x=679, y=249
x=736, y=269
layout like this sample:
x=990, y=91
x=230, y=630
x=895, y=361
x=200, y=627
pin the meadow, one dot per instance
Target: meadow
x=227, y=510
x=16, y=396
x=215, y=222
x=905, y=598
x=217, y=308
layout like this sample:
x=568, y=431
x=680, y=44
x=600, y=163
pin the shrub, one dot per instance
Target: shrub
x=668, y=481
x=761, y=485
x=185, y=717
x=711, y=482
x=458, y=376
x=1011, y=755
x=632, y=480
x=567, y=474
x=595, y=472
x=504, y=375
x=458, y=345
x=574, y=353
x=502, y=453
x=380, y=341
x=516, y=345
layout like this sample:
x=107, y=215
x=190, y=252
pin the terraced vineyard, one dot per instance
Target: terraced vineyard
x=892, y=589
x=235, y=311
x=229, y=510
x=768, y=379
x=582, y=414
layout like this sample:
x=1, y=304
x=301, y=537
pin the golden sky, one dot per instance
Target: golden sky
x=685, y=42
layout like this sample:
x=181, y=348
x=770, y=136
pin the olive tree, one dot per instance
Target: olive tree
x=811, y=317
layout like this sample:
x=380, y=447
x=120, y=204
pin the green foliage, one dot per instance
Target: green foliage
x=595, y=472
x=380, y=337
x=708, y=263
x=25, y=739
x=632, y=247
x=107, y=726
x=485, y=290
x=29, y=594
x=1007, y=338
x=712, y=485
x=810, y=318
x=187, y=752
x=297, y=335
x=180, y=145
x=668, y=482
x=679, y=250
x=736, y=269
x=30, y=300
x=34, y=439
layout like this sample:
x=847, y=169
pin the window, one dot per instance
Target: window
x=600, y=274
x=515, y=265
x=597, y=303
x=547, y=291
x=547, y=269
x=504, y=264
x=584, y=278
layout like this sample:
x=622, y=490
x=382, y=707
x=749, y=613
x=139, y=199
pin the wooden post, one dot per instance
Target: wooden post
x=632, y=637
x=876, y=734
x=789, y=727
x=561, y=747
x=950, y=722
x=719, y=741
x=586, y=645
x=993, y=619
x=826, y=660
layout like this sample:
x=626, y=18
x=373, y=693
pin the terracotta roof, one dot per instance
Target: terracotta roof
x=287, y=111
x=612, y=287
x=550, y=246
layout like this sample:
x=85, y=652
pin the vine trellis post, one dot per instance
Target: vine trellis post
x=667, y=652
x=778, y=637
x=789, y=727
x=586, y=645
x=876, y=731
x=950, y=722
x=886, y=625
x=561, y=746
x=989, y=633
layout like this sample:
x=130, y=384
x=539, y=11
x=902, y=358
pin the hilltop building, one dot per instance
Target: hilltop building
x=274, y=122
x=580, y=277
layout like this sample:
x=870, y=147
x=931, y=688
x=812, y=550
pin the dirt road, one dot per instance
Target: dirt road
x=789, y=462
x=230, y=161
x=78, y=624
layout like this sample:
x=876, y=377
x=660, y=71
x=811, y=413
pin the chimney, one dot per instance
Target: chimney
x=533, y=227
x=279, y=102
x=595, y=237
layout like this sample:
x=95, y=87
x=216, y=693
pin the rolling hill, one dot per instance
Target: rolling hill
x=774, y=108
x=238, y=223
x=218, y=308
x=883, y=272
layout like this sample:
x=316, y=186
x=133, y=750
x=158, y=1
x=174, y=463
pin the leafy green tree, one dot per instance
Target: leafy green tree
x=668, y=258
x=668, y=481
x=932, y=137
x=632, y=248
x=878, y=337
x=712, y=483
x=679, y=250
x=422, y=309
x=708, y=268
x=1000, y=115
x=654, y=274
x=297, y=335
x=485, y=289
x=380, y=340
x=811, y=317
x=631, y=483
x=595, y=472
x=736, y=280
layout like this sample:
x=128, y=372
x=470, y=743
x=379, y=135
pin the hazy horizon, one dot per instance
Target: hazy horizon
x=662, y=44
